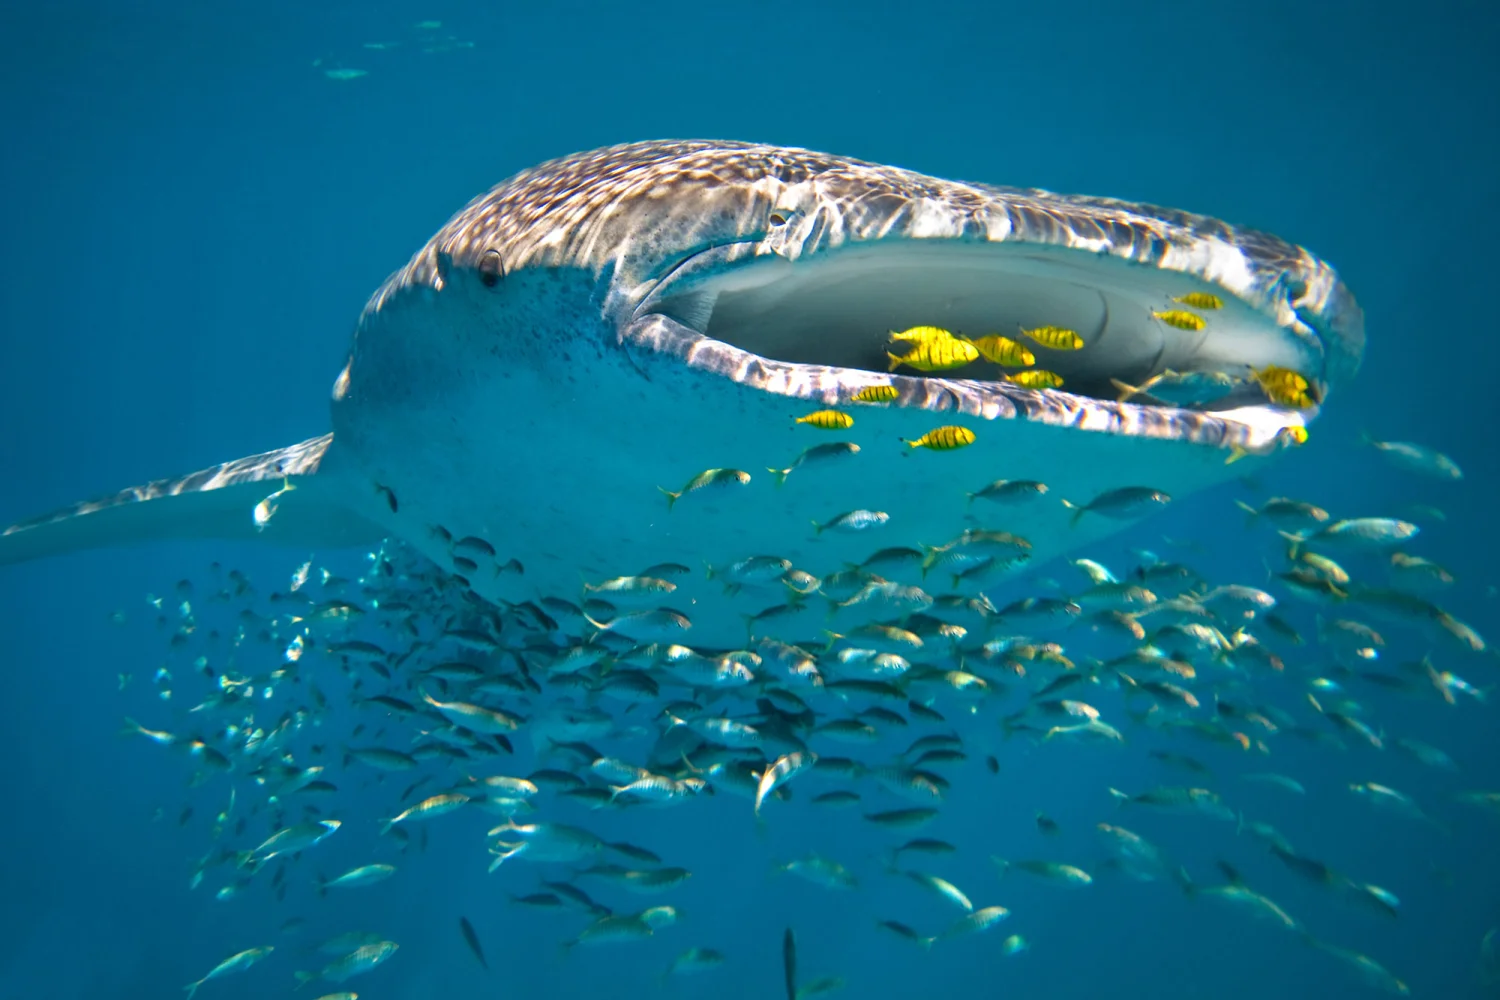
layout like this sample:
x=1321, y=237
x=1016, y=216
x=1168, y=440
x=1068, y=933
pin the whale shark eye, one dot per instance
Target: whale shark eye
x=491, y=270
x=778, y=219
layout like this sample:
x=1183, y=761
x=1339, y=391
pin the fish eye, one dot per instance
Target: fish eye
x=491, y=270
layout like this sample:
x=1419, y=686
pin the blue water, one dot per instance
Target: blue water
x=194, y=214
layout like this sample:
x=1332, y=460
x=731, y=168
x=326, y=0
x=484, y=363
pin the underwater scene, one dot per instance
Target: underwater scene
x=776, y=500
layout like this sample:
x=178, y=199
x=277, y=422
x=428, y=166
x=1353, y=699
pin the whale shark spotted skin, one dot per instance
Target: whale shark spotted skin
x=608, y=325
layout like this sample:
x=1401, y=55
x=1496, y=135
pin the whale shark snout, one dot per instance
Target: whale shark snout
x=604, y=328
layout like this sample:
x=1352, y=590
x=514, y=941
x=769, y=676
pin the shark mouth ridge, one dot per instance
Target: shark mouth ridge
x=819, y=329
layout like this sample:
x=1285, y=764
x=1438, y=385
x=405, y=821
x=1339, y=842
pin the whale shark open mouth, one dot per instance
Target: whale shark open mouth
x=820, y=328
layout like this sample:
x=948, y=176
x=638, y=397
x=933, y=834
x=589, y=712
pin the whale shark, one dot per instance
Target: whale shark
x=599, y=330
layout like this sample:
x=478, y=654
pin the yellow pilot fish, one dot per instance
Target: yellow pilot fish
x=1201, y=300
x=921, y=334
x=1036, y=379
x=1003, y=351
x=828, y=420
x=944, y=439
x=876, y=394
x=1056, y=338
x=1285, y=387
x=936, y=355
x=1180, y=318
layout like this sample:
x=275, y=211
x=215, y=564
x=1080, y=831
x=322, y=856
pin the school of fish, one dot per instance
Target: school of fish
x=550, y=715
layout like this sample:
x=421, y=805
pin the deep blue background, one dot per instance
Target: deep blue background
x=193, y=216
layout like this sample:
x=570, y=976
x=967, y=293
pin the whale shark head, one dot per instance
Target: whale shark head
x=600, y=330
x=724, y=253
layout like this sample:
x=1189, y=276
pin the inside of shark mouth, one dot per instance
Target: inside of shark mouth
x=1183, y=341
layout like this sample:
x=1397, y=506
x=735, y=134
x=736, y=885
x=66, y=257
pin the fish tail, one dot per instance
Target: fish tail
x=1235, y=454
x=1120, y=797
x=386, y=825
x=193, y=987
x=895, y=361
x=303, y=978
x=1002, y=864
x=597, y=625
x=927, y=942
x=1126, y=390
x=780, y=475
x=1296, y=541
x=817, y=528
x=1078, y=512
x=671, y=497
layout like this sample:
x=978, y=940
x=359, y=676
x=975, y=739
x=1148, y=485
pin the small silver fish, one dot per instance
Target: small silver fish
x=852, y=521
x=1123, y=504
x=819, y=455
x=1181, y=388
x=1008, y=492
x=1416, y=458
x=782, y=771
x=364, y=875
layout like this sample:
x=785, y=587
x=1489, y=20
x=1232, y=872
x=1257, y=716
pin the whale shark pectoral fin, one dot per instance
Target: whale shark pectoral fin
x=218, y=502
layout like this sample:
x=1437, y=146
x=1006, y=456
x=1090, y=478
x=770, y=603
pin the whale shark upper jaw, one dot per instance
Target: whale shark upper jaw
x=817, y=327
